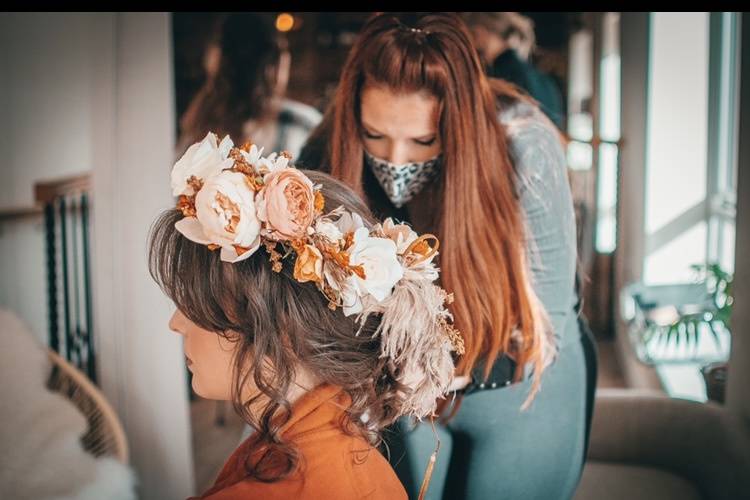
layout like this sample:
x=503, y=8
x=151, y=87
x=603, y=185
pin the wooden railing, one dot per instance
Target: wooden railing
x=65, y=204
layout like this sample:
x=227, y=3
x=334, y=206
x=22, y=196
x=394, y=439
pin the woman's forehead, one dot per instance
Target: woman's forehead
x=396, y=114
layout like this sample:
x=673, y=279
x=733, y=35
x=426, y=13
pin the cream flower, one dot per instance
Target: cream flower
x=273, y=163
x=401, y=234
x=328, y=230
x=349, y=222
x=286, y=204
x=225, y=216
x=202, y=160
x=377, y=258
x=348, y=290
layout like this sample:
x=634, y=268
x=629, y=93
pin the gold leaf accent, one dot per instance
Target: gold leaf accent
x=320, y=202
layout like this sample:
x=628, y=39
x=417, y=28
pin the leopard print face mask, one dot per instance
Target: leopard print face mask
x=403, y=182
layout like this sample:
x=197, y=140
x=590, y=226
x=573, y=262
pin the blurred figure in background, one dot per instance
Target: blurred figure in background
x=247, y=71
x=505, y=42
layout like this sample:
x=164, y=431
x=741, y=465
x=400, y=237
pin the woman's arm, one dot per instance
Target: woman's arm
x=537, y=153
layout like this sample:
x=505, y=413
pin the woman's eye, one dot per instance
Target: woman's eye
x=426, y=143
x=372, y=136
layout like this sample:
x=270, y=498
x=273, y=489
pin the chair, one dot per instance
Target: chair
x=648, y=446
x=105, y=435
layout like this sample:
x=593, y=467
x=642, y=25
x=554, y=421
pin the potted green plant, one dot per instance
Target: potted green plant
x=711, y=317
x=685, y=323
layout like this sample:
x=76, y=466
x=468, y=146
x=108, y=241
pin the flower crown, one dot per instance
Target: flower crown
x=235, y=200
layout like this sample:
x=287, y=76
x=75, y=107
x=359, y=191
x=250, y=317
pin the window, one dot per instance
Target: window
x=609, y=133
x=691, y=144
x=691, y=163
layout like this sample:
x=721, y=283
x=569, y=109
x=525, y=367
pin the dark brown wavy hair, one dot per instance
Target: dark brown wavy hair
x=272, y=316
x=479, y=217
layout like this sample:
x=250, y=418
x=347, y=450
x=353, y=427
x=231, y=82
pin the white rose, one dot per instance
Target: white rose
x=225, y=216
x=377, y=256
x=328, y=230
x=203, y=160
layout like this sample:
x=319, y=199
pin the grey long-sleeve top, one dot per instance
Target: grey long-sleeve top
x=540, y=162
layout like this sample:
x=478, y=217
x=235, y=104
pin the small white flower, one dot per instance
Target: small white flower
x=349, y=292
x=202, y=160
x=225, y=216
x=328, y=230
x=349, y=222
x=378, y=259
x=252, y=156
x=272, y=163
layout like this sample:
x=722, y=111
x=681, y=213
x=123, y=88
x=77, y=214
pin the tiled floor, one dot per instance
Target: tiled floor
x=213, y=443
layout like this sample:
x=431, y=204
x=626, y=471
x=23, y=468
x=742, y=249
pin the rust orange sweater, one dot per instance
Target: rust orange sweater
x=333, y=464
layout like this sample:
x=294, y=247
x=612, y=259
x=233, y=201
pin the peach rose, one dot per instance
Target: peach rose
x=286, y=204
x=225, y=216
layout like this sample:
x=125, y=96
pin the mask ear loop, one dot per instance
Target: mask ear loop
x=430, y=464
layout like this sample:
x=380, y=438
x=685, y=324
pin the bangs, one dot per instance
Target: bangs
x=190, y=274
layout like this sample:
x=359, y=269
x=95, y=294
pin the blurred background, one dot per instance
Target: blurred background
x=655, y=108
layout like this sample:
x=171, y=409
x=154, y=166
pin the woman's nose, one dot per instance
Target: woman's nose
x=399, y=154
x=175, y=322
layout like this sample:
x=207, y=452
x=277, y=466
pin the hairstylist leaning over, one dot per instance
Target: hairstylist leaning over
x=419, y=130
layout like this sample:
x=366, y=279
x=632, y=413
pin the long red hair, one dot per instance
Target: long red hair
x=480, y=221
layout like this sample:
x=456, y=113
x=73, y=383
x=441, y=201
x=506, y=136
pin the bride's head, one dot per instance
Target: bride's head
x=263, y=329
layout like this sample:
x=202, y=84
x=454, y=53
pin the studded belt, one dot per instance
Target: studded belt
x=500, y=376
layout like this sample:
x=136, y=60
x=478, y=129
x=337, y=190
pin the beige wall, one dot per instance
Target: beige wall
x=94, y=92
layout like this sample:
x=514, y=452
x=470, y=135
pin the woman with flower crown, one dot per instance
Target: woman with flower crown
x=417, y=128
x=321, y=325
